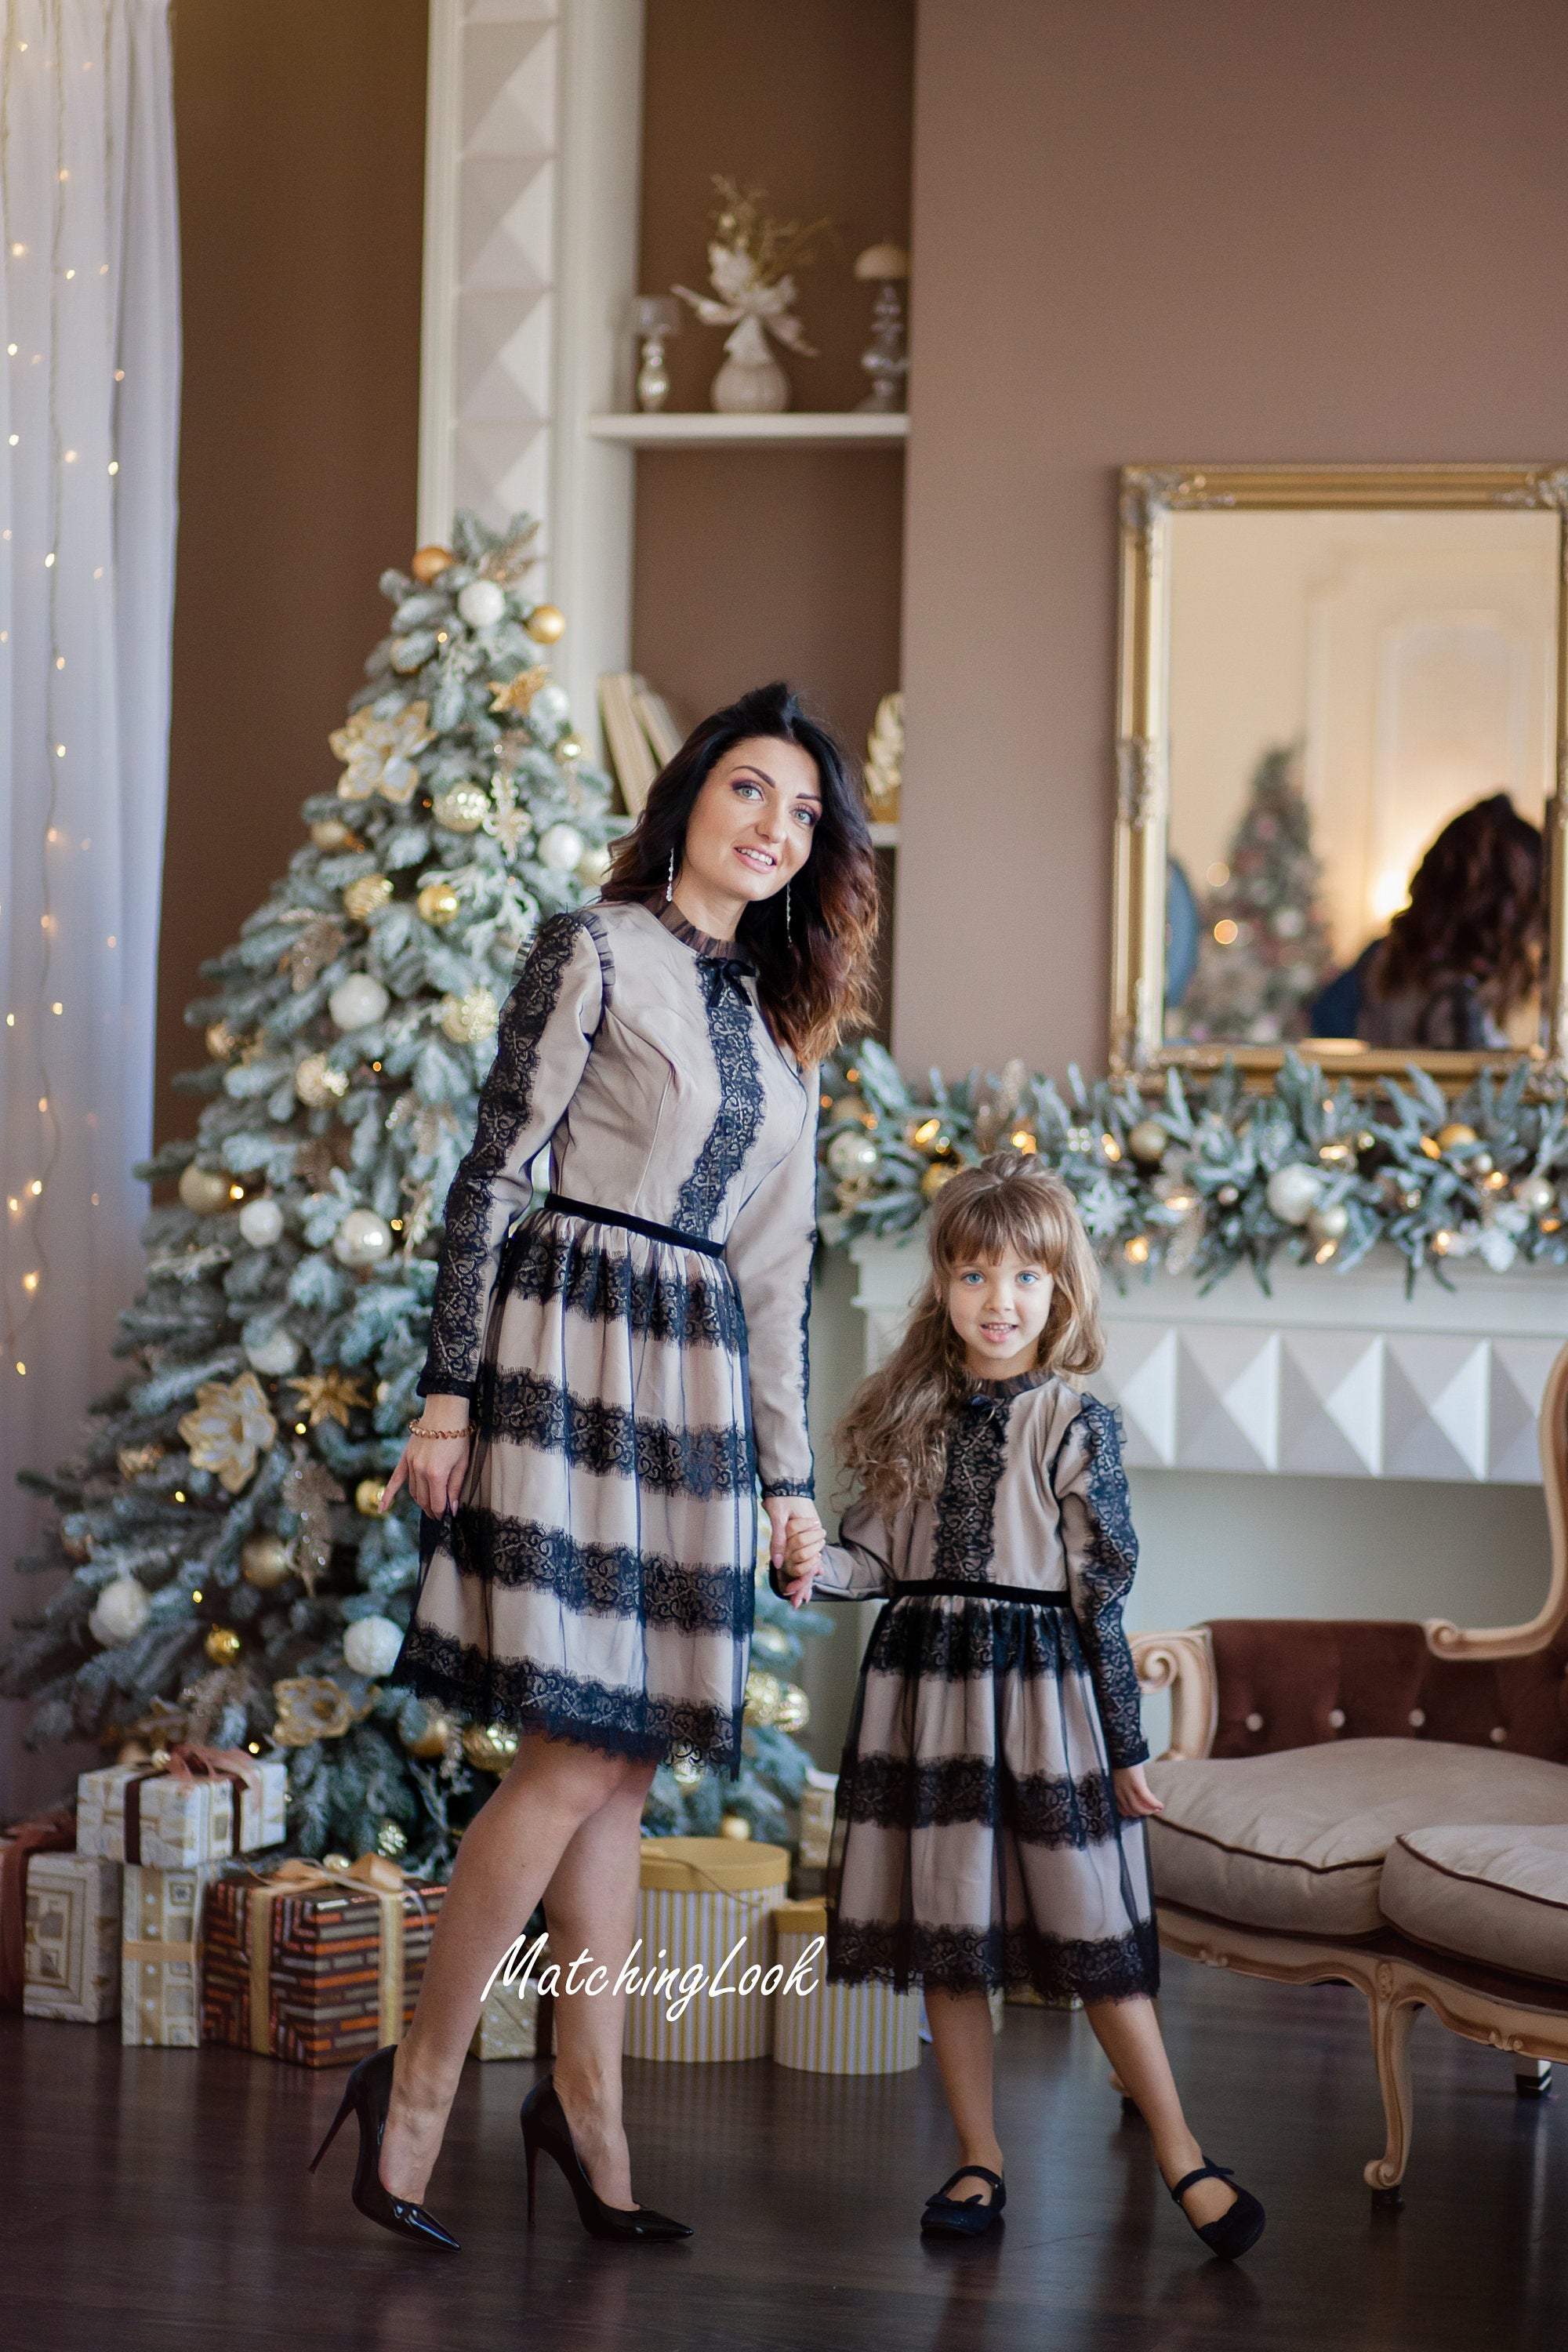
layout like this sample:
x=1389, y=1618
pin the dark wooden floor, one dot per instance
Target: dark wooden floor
x=158, y=2200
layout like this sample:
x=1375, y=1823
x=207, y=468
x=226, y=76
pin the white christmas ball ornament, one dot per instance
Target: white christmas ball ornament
x=357, y=1000
x=269, y=1349
x=120, y=1611
x=481, y=603
x=203, y=1189
x=1535, y=1193
x=851, y=1154
x=559, y=847
x=1331, y=1223
x=1293, y=1192
x=371, y=1645
x=594, y=863
x=362, y=1239
x=261, y=1223
x=550, y=709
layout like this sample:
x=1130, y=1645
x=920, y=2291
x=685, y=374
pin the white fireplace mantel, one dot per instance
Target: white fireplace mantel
x=1335, y=1375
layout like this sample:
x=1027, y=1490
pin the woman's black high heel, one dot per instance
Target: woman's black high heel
x=964, y=2217
x=1240, y=2226
x=544, y=2125
x=368, y=2091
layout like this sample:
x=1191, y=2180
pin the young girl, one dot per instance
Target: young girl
x=996, y=1745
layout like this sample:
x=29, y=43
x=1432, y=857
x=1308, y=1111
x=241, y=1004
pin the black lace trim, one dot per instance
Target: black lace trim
x=788, y=1486
x=1107, y=1576
x=965, y=1507
x=1040, y=1808
x=529, y=1409
x=950, y=1640
x=523, y=1696
x=740, y=1112
x=506, y=1107
x=965, y=1960
x=606, y=1286
x=599, y=1579
x=705, y=942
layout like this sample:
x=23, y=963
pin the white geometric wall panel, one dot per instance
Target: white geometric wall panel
x=1335, y=1375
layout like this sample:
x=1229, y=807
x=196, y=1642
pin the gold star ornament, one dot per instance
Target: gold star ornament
x=517, y=693
x=328, y=1396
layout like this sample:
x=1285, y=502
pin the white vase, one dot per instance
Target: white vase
x=751, y=383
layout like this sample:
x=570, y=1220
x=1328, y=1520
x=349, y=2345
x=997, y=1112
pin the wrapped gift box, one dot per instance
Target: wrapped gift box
x=314, y=1963
x=139, y=1814
x=700, y=1897
x=515, y=2020
x=160, y=1956
x=835, y=2029
x=70, y=1933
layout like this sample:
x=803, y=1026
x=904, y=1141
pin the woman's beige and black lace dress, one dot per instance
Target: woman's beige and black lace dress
x=977, y=1839
x=634, y=1347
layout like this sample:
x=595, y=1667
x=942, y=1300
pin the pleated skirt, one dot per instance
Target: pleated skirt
x=597, y=1580
x=976, y=1840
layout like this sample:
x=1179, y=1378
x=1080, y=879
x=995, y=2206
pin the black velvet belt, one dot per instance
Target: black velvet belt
x=980, y=1588
x=634, y=1224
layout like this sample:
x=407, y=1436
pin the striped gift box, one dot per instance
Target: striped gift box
x=701, y=1898
x=313, y=1965
x=835, y=2029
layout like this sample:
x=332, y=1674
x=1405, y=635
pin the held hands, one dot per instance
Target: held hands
x=432, y=1467
x=1133, y=1794
x=797, y=1538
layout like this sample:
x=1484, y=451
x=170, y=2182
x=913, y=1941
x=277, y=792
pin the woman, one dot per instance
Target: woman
x=1463, y=957
x=604, y=1385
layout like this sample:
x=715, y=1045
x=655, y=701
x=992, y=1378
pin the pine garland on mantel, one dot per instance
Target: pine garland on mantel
x=1213, y=1174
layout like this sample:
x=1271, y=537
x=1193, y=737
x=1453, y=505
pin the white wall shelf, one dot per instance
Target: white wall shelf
x=706, y=428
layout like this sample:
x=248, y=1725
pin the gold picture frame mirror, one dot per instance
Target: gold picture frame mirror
x=1321, y=668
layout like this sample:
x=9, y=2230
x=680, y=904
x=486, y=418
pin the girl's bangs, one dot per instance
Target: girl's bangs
x=1029, y=1218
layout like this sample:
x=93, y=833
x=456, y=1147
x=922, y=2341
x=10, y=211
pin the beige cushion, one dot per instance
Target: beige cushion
x=1297, y=1840
x=1495, y=1895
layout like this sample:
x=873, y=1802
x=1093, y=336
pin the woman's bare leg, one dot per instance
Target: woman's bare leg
x=965, y=2044
x=1129, y=2033
x=590, y=1904
x=504, y=1862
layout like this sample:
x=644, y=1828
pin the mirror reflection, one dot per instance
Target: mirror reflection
x=1363, y=713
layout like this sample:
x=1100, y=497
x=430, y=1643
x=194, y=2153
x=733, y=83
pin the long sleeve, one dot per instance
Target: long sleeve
x=545, y=1036
x=1101, y=1555
x=769, y=1251
x=859, y=1567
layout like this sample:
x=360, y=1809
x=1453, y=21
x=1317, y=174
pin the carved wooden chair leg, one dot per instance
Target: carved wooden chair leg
x=1392, y=2019
x=1532, y=2077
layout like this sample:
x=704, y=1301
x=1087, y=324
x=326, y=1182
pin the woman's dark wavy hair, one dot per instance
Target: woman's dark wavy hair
x=815, y=985
x=1476, y=906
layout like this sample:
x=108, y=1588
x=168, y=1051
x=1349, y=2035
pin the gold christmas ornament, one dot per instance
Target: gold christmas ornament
x=764, y=1693
x=1330, y=1223
x=1535, y=1193
x=331, y=833
x=1148, y=1141
x=429, y=562
x=515, y=694
x=264, y=1560
x=367, y=1498
x=794, y=1708
x=569, y=748
x=939, y=1173
x=228, y=1428
x=462, y=809
x=469, y=1019
x=135, y=1461
x=222, y=1645
x=736, y=1826
x=203, y=1189
x=318, y=1082
x=686, y=1768
x=1456, y=1134
x=437, y=1737
x=390, y=1839
x=546, y=625
x=328, y=1396
x=489, y=1748
x=368, y=896
x=311, y=1706
x=133, y=1751
x=439, y=903
x=221, y=1040
x=381, y=755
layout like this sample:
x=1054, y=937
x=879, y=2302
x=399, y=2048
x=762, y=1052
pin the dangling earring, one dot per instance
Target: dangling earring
x=787, y=932
x=669, y=886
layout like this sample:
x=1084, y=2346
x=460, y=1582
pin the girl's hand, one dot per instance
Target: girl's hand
x=1133, y=1794
x=433, y=1468
x=804, y=1543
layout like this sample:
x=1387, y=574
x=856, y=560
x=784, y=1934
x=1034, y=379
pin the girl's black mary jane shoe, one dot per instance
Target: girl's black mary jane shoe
x=964, y=2217
x=1240, y=2226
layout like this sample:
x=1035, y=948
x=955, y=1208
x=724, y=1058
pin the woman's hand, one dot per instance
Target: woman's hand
x=433, y=1468
x=1133, y=1794
x=781, y=1510
x=804, y=1543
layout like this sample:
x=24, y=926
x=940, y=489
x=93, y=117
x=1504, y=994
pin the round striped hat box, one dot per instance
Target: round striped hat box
x=707, y=1949
x=835, y=2029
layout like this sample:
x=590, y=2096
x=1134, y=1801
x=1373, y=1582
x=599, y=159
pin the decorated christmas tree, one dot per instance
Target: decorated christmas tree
x=1264, y=948
x=233, y=1580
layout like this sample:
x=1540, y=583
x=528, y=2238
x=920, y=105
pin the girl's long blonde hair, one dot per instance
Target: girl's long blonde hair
x=892, y=1439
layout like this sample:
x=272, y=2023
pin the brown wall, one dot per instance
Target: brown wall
x=1169, y=230
x=300, y=133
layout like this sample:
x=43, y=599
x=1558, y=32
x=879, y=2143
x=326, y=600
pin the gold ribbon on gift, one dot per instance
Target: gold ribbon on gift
x=372, y=1873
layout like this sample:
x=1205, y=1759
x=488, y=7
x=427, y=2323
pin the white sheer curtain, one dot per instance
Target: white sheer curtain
x=89, y=361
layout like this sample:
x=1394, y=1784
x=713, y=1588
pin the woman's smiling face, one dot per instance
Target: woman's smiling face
x=751, y=823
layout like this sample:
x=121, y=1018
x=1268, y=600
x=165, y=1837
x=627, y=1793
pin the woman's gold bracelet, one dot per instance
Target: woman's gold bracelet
x=417, y=1429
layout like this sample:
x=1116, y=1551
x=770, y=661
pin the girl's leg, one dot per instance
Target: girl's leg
x=504, y=1862
x=1129, y=2033
x=590, y=1904
x=965, y=2045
